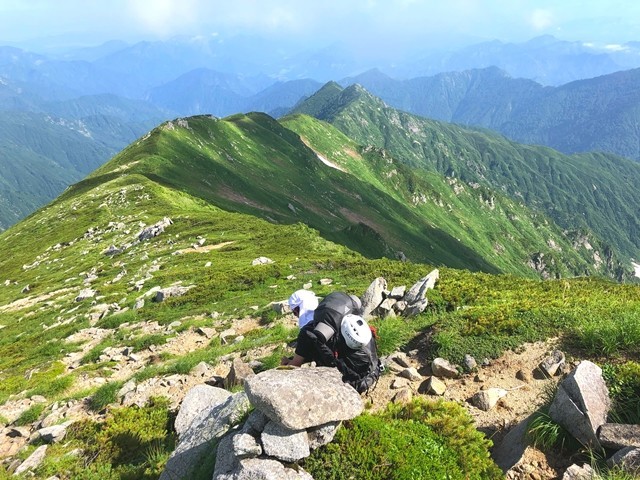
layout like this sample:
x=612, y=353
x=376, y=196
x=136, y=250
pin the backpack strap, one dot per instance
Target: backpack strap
x=325, y=330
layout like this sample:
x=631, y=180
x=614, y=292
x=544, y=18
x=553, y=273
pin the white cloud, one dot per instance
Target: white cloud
x=614, y=47
x=541, y=19
x=163, y=17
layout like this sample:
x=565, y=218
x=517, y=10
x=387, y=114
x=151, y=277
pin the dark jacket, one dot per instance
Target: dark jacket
x=320, y=340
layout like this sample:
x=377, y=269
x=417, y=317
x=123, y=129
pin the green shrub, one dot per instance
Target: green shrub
x=132, y=442
x=623, y=382
x=105, y=395
x=610, y=333
x=31, y=415
x=422, y=439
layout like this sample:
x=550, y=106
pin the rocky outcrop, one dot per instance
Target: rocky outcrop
x=155, y=229
x=582, y=403
x=295, y=412
x=303, y=398
x=378, y=300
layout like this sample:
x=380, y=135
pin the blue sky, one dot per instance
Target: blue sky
x=374, y=22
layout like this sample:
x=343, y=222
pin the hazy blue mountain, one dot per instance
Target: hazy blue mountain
x=203, y=91
x=545, y=59
x=597, y=114
x=281, y=96
x=49, y=145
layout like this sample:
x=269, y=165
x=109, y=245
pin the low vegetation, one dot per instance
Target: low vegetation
x=53, y=343
x=422, y=439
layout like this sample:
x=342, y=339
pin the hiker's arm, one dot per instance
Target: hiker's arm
x=323, y=352
x=295, y=361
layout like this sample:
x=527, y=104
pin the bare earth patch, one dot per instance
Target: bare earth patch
x=31, y=301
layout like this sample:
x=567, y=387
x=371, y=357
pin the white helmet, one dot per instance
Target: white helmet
x=355, y=331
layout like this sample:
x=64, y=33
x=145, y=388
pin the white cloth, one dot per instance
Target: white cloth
x=307, y=301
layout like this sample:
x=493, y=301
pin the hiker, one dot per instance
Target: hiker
x=339, y=337
x=303, y=303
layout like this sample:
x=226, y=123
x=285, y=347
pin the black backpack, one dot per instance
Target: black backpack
x=360, y=368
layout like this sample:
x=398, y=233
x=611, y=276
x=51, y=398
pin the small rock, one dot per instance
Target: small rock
x=435, y=386
x=399, y=383
x=307, y=285
x=397, y=292
x=524, y=376
x=487, y=399
x=206, y=331
x=85, y=293
x=411, y=374
x=551, y=364
x=575, y=472
x=403, y=396
x=325, y=281
x=34, y=460
x=469, y=363
x=261, y=261
x=443, y=368
x=627, y=459
x=401, y=359
x=285, y=444
x=246, y=446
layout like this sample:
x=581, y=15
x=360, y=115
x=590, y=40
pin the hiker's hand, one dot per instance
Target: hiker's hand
x=285, y=361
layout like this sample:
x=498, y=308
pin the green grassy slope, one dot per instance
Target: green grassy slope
x=501, y=230
x=366, y=200
x=589, y=191
x=60, y=250
x=252, y=164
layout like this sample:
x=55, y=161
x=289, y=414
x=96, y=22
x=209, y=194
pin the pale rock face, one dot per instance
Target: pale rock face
x=304, y=397
x=582, y=403
x=197, y=400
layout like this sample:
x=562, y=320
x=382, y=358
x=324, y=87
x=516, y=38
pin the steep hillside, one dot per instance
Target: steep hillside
x=45, y=144
x=360, y=197
x=133, y=287
x=597, y=114
x=581, y=192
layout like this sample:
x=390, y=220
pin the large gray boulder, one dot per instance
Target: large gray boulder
x=618, y=435
x=200, y=439
x=285, y=444
x=264, y=469
x=374, y=295
x=303, y=397
x=582, y=403
x=197, y=401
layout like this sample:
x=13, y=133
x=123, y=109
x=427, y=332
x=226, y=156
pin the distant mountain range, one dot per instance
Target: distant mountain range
x=61, y=117
x=598, y=114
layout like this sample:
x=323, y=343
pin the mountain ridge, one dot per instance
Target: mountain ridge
x=489, y=159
